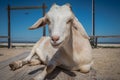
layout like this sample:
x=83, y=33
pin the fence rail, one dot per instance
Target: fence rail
x=111, y=36
x=4, y=36
x=94, y=39
x=27, y=7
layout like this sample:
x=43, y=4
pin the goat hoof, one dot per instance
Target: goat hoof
x=15, y=65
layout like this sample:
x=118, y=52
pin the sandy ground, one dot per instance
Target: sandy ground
x=6, y=53
x=106, y=61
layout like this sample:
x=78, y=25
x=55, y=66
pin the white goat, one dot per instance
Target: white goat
x=68, y=45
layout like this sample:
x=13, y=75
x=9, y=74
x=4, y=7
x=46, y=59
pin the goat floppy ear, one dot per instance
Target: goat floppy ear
x=77, y=25
x=40, y=22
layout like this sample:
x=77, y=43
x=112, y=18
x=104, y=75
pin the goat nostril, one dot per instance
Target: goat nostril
x=55, y=38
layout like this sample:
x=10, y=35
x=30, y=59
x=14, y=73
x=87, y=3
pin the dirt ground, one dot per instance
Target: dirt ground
x=106, y=61
x=6, y=53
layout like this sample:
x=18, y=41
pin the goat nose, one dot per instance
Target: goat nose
x=55, y=38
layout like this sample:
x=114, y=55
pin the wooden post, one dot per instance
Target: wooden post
x=9, y=33
x=44, y=28
x=93, y=21
x=96, y=39
x=93, y=17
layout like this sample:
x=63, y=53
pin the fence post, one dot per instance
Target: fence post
x=44, y=28
x=93, y=21
x=9, y=33
x=96, y=40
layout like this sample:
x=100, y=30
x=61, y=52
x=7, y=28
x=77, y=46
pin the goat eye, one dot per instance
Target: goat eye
x=69, y=21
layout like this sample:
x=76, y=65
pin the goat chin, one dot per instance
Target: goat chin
x=57, y=45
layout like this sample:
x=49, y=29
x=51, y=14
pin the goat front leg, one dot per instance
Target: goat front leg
x=48, y=69
x=34, y=61
x=18, y=64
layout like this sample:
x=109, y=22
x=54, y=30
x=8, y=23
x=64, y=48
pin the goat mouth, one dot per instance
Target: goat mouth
x=57, y=44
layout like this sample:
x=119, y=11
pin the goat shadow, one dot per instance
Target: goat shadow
x=54, y=73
